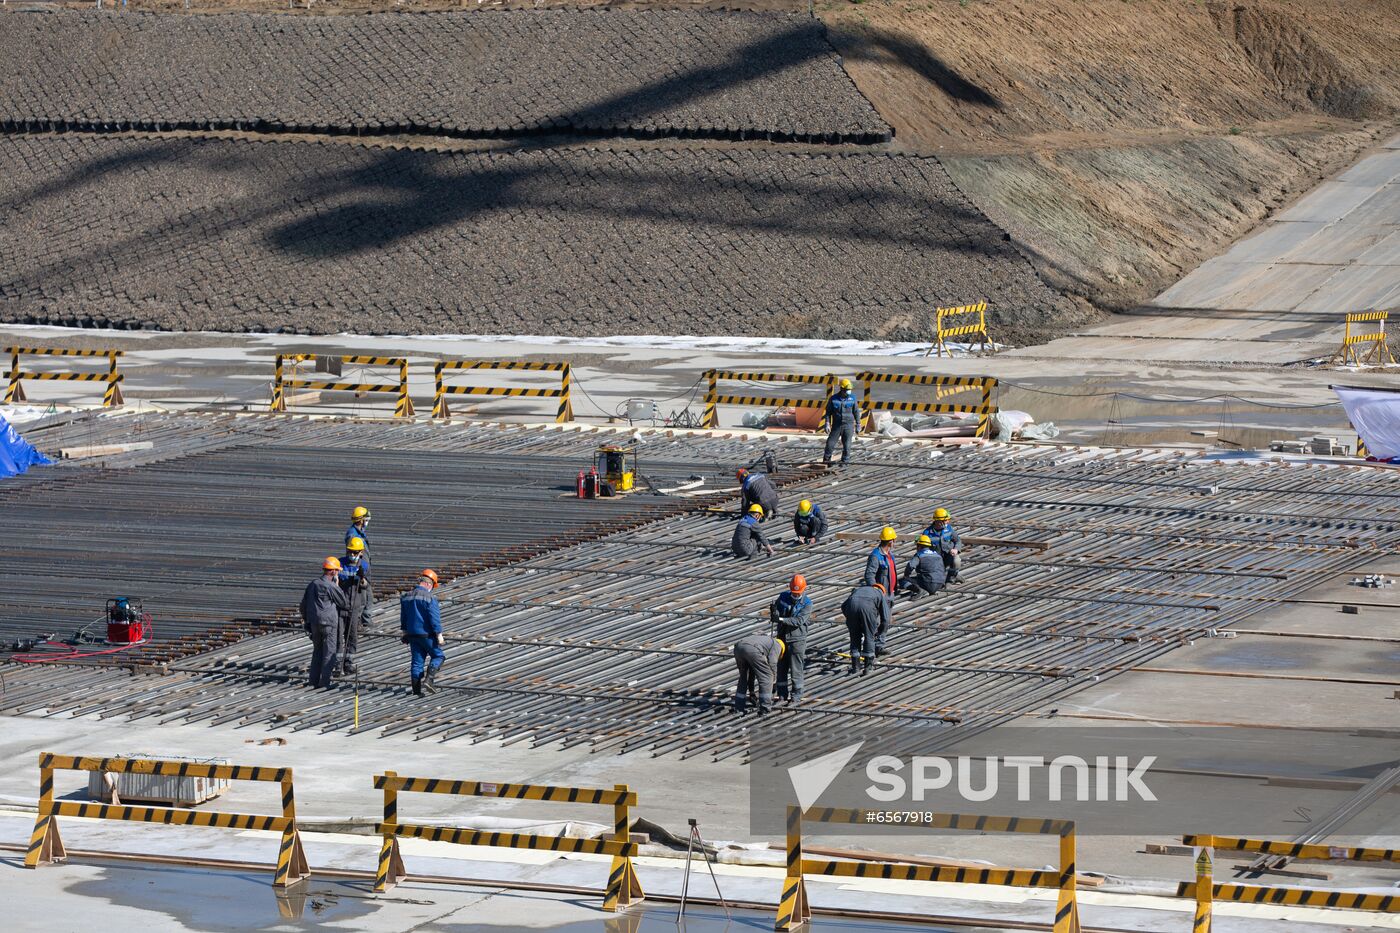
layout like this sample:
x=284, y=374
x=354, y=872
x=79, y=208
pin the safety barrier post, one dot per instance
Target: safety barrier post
x=622, y=887
x=1205, y=887
x=714, y=399
x=793, y=908
x=46, y=846
x=111, y=395
x=403, y=405
x=441, y=391
x=943, y=387
x=1379, y=352
x=976, y=328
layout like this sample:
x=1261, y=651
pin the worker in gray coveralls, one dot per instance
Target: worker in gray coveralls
x=757, y=658
x=323, y=612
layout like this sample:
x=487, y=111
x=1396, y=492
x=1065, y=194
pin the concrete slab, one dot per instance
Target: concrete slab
x=1385, y=251
x=1354, y=288
x=1281, y=289
x=1377, y=170
x=1332, y=200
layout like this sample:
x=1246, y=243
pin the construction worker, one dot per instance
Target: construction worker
x=420, y=618
x=867, y=612
x=355, y=582
x=842, y=422
x=924, y=574
x=757, y=488
x=757, y=658
x=748, y=539
x=809, y=524
x=359, y=525
x=323, y=611
x=791, y=615
x=947, y=542
x=879, y=566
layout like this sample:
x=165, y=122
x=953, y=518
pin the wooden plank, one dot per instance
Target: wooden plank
x=102, y=450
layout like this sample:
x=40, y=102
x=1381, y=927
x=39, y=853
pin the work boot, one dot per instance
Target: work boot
x=347, y=669
x=855, y=665
x=869, y=665
x=418, y=686
x=428, y=686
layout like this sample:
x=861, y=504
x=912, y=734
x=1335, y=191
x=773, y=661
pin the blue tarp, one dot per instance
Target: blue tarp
x=16, y=454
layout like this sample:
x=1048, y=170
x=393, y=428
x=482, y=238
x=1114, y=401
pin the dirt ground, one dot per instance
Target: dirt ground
x=1122, y=143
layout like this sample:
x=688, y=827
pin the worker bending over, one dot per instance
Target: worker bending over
x=354, y=582
x=359, y=525
x=757, y=658
x=323, y=611
x=947, y=542
x=867, y=612
x=420, y=618
x=924, y=574
x=809, y=524
x=842, y=423
x=791, y=615
x=748, y=539
x=758, y=489
x=879, y=566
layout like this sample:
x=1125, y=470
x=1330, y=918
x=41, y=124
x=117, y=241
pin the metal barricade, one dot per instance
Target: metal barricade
x=714, y=399
x=794, y=908
x=975, y=328
x=45, y=845
x=403, y=405
x=1378, y=352
x=944, y=386
x=111, y=397
x=623, y=887
x=442, y=391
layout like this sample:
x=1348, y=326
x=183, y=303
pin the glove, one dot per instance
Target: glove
x=404, y=638
x=439, y=640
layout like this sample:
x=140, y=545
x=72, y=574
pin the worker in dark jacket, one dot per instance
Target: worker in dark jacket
x=879, y=566
x=748, y=539
x=842, y=423
x=924, y=574
x=420, y=618
x=354, y=580
x=757, y=658
x=791, y=615
x=809, y=524
x=758, y=489
x=323, y=611
x=867, y=612
x=359, y=525
x=947, y=542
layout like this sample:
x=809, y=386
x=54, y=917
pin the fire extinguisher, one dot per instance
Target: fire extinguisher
x=580, y=484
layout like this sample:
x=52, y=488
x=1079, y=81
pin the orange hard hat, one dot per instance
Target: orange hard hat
x=330, y=563
x=430, y=575
x=798, y=583
x=879, y=586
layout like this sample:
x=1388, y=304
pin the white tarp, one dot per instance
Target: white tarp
x=1375, y=414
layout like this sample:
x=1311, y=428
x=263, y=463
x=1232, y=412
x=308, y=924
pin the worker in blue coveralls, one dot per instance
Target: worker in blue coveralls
x=359, y=525
x=842, y=423
x=947, y=542
x=354, y=582
x=420, y=617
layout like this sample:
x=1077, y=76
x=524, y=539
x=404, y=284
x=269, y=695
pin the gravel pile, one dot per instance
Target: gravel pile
x=643, y=74
x=321, y=237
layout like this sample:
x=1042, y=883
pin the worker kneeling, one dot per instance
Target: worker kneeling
x=757, y=658
x=757, y=490
x=791, y=615
x=748, y=539
x=924, y=574
x=809, y=524
x=420, y=618
x=947, y=542
x=867, y=612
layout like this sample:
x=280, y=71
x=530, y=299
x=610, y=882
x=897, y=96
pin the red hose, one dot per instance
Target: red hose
x=62, y=652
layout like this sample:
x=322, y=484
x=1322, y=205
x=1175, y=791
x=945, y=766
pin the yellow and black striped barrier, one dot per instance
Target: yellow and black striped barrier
x=1378, y=353
x=623, y=887
x=794, y=908
x=714, y=399
x=110, y=398
x=944, y=386
x=46, y=846
x=1205, y=892
x=403, y=405
x=442, y=391
x=976, y=328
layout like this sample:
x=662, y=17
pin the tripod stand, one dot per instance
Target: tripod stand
x=696, y=841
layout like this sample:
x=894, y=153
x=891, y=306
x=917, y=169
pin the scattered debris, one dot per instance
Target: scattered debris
x=1372, y=581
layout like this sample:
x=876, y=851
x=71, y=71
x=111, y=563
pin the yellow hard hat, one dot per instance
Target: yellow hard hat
x=804, y=507
x=782, y=648
x=925, y=541
x=941, y=514
x=355, y=545
x=330, y=563
x=359, y=513
x=887, y=534
x=845, y=383
x=755, y=509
